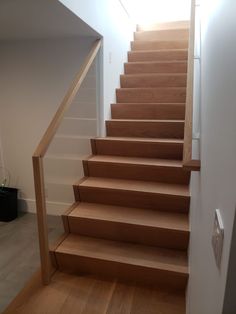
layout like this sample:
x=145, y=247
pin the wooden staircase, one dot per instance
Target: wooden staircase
x=130, y=216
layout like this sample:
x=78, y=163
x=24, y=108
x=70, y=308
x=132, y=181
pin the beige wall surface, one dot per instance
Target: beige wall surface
x=34, y=77
x=109, y=19
x=215, y=186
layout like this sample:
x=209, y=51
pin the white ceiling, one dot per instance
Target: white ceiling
x=30, y=19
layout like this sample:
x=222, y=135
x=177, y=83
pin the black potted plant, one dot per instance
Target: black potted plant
x=8, y=197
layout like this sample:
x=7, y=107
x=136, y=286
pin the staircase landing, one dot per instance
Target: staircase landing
x=89, y=295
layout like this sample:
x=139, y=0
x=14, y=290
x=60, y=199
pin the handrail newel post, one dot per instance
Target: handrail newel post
x=42, y=219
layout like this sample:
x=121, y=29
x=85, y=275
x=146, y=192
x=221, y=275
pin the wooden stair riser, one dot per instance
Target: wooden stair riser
x=127, y=272
x=158, y=45
x=155, y=67
x=151, y=95
x=138, y=149
x=164, y=26
x=168, y=35
x=118, y=231
x=160, y=129
x=174, y=203
x=137, y=172
x=153, y=80
x=159, y=55
x=148, y=111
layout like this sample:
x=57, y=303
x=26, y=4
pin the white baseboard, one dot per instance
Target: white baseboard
x=53, y=208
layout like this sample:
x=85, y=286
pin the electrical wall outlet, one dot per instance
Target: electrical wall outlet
x=218, y=237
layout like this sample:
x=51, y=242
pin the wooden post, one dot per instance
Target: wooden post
x=42, y=219
x=188, y=162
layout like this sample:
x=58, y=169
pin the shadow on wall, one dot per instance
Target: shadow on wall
x=230, y=291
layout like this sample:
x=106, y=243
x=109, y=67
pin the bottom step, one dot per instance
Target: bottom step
x=125, y=261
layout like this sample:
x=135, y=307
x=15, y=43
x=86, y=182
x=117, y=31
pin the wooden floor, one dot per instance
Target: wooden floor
x=19, y=253
x=69, y=294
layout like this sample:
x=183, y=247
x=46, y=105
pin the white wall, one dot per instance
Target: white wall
x=109, y=19
x=34, y=77
x=152, y=11
x=215, y=186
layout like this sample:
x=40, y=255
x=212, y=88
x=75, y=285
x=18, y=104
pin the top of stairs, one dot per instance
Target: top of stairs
x=164, y=25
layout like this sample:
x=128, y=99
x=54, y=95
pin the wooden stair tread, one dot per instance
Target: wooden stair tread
x=137, y=161
x=157, y=54
x=127, y=215
x=145, y=128
x=154, y=147
x=174, y=66
x=164, y=44
x=125, y=253
x=158, y=50
x=134, y=185
x=143, y=139
x=148, y=111
x=163, y=34
x=166, y=32
x=158, y=44
x=151, y=94
x=155, y=80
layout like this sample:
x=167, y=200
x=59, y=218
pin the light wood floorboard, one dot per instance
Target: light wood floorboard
x=19, y=257
x=89, y=295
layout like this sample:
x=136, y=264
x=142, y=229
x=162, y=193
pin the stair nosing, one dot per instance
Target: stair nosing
x=174, y=30
x=161, y=40
x=150, y=103
x=156, y=185
x=157, y=50
x=147, y=75
x=147, y=120
x=179, y=230
x=163, y=163
x=152, y=88
x=142, y=139
x=159, y=62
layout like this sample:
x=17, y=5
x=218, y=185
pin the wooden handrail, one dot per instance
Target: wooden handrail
x=46, y=265
x=188, y=162
x=69, y=97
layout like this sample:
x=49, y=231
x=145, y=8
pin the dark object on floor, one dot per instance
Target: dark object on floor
x=8, y=204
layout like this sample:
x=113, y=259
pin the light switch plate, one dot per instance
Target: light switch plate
x=218, y=237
